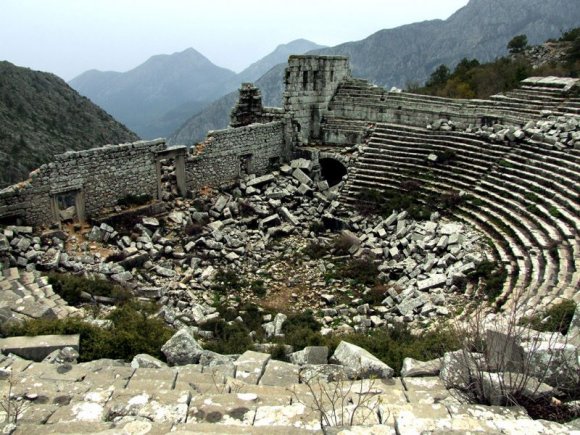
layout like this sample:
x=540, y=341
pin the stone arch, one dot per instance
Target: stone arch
x=332, y=170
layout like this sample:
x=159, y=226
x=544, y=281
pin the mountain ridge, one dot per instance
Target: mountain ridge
x=408, y=54
x=169, y=88
x=42, y=116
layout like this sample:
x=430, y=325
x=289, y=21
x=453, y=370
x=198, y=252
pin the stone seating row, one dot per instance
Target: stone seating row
x=541, y=243
x=28, y=295
x=106, y=396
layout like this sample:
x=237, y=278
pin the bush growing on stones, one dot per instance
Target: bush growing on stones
x=393, y=345
x=556, y=318
x=493, y=278
x=301, y=330
x=133, y=332
x=383, y=203
x=227, y=280
x=228, y=337
x=70, y=287
x=341, y=244
x=193, y=228
x=410, y=185
x=258, y=288
x=376, y=295
x=315, y=250
x=115, y=257
x=343, y=402
x=450, y=200
x=317, y=227
x=360, y=270
x=504, y=363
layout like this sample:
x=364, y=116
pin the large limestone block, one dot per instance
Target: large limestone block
x=364, y=362
x=415, y=368
x=182, y=348
x=573, y=334
x=250, y=366
x=279, y=374
x=39, y=347
x=310, y=355
x=457, y=368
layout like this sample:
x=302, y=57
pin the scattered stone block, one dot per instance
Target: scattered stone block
x=39, y=347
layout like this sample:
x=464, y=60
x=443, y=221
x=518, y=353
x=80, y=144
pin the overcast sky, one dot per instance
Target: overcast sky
x=68, y=37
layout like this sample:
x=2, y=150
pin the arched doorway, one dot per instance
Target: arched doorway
x=332, y=171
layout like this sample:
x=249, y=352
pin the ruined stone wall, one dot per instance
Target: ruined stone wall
x=227, y=154
x=311, y=82
x=99, y=177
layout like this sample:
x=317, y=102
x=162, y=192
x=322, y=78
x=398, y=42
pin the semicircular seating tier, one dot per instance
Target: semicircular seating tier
x=523, y=196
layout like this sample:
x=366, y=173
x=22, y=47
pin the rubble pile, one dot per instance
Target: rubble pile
x=259, y=232
x=562, y=132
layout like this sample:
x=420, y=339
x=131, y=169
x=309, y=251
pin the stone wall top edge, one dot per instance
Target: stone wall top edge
x=246, y=128
x=317, y=56
x=141, y=144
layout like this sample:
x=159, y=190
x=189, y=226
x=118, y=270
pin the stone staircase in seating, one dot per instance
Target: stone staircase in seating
x=28, y=295
x=524, y=197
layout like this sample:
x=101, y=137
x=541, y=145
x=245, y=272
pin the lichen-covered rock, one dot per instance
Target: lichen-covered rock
x=143, y=360
x=414, y=368
x=182, y=348
x=310, y=355
x=362, y=361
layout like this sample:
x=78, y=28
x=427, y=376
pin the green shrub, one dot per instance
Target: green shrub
x=493, y=277
x=375, y=295
x=69, y=287
x=383, y=203
x=258, y=287
x=229, y=338
x=446, y=156
x=227, y=280
x=133, y=332
x=555, y=212
x=315, y=250
x=393, y=345
x=556, y=318
x=301, y=330
x=360, y=270
x=518, y=44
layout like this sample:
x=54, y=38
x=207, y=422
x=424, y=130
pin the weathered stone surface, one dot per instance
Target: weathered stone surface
x=457, y=367
x=66, y=355
x=182, y=348
x=250, y=366
x=39, y=347
x=143, y=360
x=364, y=362
x=279, y=373
x=310, y=355
x=414, y=368
x=498, y=387
x=274, y=328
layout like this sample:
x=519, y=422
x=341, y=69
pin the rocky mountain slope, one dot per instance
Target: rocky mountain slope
x=407, y=54
x=480, y=30
x=40, y=116
x=217, y=115
x=158, y=96
x=180, y=83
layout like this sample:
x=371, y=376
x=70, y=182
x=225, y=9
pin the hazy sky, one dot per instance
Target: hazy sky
x=68, y=37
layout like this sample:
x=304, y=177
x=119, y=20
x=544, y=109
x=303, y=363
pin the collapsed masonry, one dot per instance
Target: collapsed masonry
x=515, y=156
